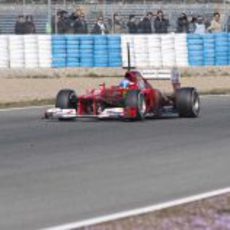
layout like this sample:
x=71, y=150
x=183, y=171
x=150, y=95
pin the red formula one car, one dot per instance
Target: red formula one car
x=133, y=99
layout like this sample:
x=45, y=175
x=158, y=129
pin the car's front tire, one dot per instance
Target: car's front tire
x=135, y=99
x=66, y=99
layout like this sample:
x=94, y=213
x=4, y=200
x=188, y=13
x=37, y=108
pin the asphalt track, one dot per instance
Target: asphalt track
x=54, y=172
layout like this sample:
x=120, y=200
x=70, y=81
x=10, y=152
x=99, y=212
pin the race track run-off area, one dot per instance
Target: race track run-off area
x=54, y=172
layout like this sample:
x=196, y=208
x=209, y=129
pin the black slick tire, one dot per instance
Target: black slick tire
x=187, y=102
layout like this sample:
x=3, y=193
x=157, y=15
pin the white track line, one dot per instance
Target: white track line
x=135, y=212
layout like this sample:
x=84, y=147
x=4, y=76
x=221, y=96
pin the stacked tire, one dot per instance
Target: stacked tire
x=4, y=57
x=58, y=51
x=141, y=51
x=114, y=51
x=100, y=51
x=195, y=49
x=154, y=50
x=73, y=51
x=125, y=41
x=229, y=49
x=221, y=49
x=31, y=51
x=181, y=50
x=168, y=50
x=16, y=51
x=44, y=51
x=209, y=49
x=86, y=51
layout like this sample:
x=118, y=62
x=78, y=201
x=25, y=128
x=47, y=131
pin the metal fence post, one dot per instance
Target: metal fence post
x=49, y=11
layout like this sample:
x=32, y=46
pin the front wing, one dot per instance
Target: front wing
x=57, y=113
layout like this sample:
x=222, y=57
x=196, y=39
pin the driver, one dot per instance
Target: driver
x=125, y=83
x=129, y=79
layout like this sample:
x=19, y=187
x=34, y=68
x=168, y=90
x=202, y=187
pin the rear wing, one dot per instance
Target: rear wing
x=157, y=74
x=163, y=74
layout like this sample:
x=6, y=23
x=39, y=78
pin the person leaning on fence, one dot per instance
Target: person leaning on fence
x=146, y=24
x=100, y=27
x=76, y=15
x=20, y=25
x=80, y=25
x=132, y=24
x=29, y=25
x=63, y=24
x=118, y=25
x=192, y=24
x=199, y=26
x=161, y=24
x=215, y=26
x=182, y=24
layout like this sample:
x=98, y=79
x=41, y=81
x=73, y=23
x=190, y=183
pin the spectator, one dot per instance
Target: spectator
x=62, y=22
x=192, y=24
x=215, y=26
x=67, y=20
x=161, y=24
x=100, y=27
x=29, y=25
x=109, y=25
x=228, y=24
x=20, y=25
x=75, y=15
x=80, y=26
x=146, y=24
x=200, y=26
x=139, y=23
x=182, y=24
x=132, y=25
x=118, y=25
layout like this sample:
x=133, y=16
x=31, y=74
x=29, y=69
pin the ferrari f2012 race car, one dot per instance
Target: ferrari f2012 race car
x=133, y=99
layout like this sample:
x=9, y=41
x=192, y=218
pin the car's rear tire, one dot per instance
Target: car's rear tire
x=135, y=99
x=187, y=102
x=66, y=99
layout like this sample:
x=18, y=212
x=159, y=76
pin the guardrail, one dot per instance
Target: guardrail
x=147, y=51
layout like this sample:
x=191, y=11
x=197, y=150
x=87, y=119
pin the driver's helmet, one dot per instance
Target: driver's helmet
x=124, y=83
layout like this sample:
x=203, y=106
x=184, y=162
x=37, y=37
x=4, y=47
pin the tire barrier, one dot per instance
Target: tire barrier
x=72, y=51
x=141, y=51
x=100, y=51
x=195, y=49
x=146, y=51
x=153, y=51
x=125, y=41
x=221, y=49
x=114, y=51
x=209, y=49
x=44, y=51
x=30, y=51
x=4, y=57
x=86, y=51
x=181, y=50
x=16, y=51
x=58, y=51
x=168, y=50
